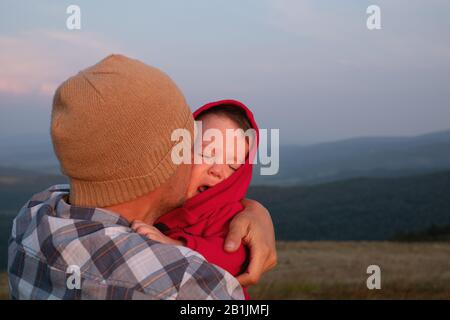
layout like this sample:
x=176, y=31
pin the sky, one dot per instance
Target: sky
x=309, y=68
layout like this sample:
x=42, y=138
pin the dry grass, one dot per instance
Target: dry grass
x=337, y=270
x=4, y=291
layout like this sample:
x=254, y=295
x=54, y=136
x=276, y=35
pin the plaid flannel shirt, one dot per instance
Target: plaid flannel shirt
x=50, y=238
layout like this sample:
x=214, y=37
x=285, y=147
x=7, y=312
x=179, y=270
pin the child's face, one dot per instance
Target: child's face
x=207, y=175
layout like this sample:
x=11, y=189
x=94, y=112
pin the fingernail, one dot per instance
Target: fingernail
x=230, y=245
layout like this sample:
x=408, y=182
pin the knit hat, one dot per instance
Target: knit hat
x=111, y=130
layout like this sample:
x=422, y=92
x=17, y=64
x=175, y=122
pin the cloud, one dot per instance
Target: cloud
x=35, y=62
x=11, y=87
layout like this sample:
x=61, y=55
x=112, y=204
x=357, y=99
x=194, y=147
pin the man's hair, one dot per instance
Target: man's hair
x=237, y=115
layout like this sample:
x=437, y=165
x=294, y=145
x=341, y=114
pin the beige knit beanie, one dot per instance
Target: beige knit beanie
x=111, y=130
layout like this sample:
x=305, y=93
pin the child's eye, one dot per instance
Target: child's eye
x=233, y=168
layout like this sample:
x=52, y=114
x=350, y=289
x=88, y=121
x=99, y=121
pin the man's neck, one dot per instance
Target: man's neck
x=142, y=208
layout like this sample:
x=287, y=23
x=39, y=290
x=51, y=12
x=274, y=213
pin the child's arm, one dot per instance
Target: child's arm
x=211, y=248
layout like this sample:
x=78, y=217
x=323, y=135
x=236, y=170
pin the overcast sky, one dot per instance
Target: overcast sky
x=310, y=68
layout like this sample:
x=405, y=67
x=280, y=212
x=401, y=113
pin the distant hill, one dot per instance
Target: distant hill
x=358, y=209
x=18, y=185
x=360, y=157
x=432, y=234
x=31, y=152
x=299, y=165
x=355, y=209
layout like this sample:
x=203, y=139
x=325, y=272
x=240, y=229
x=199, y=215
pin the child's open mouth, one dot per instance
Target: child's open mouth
x=202, y=188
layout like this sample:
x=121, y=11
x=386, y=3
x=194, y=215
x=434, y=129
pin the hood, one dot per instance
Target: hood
x=230, y=190
x=235, y=186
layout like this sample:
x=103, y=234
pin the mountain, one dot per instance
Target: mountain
x=432, y=234
x=401, y=208
x=311, y=164
x=30, y=152
x=358, y=209
x=354, y=209
x=18, y=185
x=360, y=157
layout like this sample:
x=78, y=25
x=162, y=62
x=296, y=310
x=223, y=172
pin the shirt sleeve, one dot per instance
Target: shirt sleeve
x=205, y=281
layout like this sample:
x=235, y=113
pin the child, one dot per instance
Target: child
x=214, y=192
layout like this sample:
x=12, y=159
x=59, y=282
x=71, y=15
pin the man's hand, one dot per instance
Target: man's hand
x=253, y=226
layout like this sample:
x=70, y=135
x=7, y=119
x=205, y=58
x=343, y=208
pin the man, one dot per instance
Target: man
x=111, y=127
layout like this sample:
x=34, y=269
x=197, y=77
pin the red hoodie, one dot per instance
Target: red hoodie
x=203, y=220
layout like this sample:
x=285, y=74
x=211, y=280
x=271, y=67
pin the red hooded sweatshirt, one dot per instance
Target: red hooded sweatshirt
x=203, y=220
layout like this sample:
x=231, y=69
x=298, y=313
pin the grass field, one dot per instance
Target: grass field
x=337, y=270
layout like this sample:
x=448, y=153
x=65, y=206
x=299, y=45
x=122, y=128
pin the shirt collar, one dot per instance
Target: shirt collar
x=67, y=211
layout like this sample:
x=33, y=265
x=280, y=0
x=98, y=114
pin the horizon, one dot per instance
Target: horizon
x=298, y=164
x=43, y=138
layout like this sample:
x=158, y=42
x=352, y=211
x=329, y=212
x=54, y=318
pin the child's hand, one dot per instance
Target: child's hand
x=153, y=233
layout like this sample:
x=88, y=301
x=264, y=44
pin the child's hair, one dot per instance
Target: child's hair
x=235, y=114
